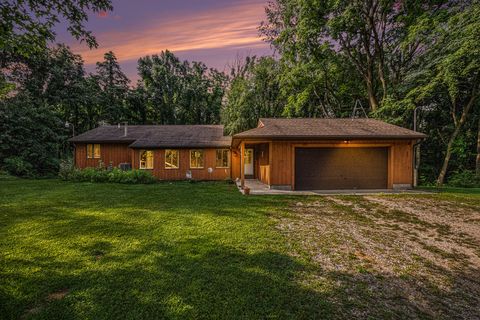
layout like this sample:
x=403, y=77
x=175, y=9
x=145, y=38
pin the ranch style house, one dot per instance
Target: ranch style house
x=287, y=154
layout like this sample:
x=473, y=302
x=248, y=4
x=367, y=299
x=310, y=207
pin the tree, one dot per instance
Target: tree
x=181, y=92
x=368, y=35
x=452, y=71
x=114, y=85
x=254, y=92
x=30, y=138
x=28, y=26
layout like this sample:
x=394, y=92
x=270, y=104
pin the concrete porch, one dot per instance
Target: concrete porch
x=258, y=188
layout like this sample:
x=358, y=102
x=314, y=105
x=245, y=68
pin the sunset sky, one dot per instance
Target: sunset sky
x=212, y=31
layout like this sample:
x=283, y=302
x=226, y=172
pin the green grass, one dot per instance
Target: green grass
x=169, y=250
x=193, y=251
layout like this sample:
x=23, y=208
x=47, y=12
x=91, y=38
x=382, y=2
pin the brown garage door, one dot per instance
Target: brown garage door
x=341, y=168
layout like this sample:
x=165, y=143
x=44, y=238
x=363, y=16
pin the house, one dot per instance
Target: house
x=287, y=154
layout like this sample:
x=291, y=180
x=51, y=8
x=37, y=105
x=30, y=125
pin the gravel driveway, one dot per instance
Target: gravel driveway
x=390, y=256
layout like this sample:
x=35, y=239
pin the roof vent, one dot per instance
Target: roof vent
x=126, y=129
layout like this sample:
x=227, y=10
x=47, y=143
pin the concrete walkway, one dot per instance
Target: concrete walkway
x=258, y=188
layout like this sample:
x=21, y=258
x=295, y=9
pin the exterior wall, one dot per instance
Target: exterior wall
x=262, y=167
x=115, y=153
x=161, y=173
x=235, y=164
x=400, y=171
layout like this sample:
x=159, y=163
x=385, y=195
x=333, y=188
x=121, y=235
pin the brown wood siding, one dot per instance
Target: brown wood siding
x=161, y=173
x=282, y=164
x=262, y=168
x=114, y=153
x=403, y=163
x=235, y=164
x=400, y=158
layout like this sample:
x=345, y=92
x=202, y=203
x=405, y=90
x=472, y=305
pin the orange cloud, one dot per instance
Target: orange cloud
x=227, y=27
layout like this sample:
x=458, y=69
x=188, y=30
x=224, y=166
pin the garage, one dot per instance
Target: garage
x=341, y=168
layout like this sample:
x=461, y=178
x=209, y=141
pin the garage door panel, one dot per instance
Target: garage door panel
x=341, y=168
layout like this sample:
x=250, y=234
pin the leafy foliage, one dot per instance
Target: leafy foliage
x=254, y=93
x=27, y=26
x=114, y=175
x=464, y=179
x=30, y=137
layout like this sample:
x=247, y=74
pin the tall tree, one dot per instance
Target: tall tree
x=452, y=70
x=254, y=92
x=114, y=85
x=181, y=92
x=368, y=34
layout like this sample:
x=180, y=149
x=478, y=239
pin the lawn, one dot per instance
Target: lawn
x=202, y=250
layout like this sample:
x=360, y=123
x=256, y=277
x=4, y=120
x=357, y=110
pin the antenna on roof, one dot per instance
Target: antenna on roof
x=358, y=106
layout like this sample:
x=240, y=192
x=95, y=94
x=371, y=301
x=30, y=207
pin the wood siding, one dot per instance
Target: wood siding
x=282, y=159
x=235, y=164
x=161, y=173
x=114, y=153
x=262, y=167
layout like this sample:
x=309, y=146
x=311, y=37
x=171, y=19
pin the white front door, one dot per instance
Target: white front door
x=249, y=162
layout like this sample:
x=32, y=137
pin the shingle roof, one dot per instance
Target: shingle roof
x=309, y=128
x=158, y=136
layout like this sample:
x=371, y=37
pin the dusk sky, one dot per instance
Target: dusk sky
x=212, y=31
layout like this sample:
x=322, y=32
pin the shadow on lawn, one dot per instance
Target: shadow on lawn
x=161, y=281
x=166, y=282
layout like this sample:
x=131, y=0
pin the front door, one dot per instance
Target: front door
x=249, y=163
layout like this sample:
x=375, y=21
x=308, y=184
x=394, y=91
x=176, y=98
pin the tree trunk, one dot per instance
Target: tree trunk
x=372, y=99
x=477, y=164
x=458, y=126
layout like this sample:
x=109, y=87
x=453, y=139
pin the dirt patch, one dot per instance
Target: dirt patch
x=390, y=257
x=57, y=295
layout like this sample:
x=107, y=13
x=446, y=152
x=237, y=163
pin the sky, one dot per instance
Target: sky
x=213, y=31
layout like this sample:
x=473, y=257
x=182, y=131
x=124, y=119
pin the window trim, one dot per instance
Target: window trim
x=178, y=159
x=140, y=159
x=228, y=158
x=203, y=158
x=92, y=155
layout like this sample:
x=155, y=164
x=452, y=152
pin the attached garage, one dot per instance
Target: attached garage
x=341, y=168
x=327, y=154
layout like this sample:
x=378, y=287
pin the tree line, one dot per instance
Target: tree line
x=395, y=58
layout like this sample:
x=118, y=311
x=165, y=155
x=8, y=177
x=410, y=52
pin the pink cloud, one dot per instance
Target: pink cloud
x=226, y=27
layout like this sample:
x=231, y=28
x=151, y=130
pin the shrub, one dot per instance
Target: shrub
x=66, y=168
x=102, y=175
x=18, y=167
x=464, y=179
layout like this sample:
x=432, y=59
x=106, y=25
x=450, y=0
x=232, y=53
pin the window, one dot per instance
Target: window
x=222, y=158
x=93, y=151
x=171, y=159
x=196, y=159
x=146, y=159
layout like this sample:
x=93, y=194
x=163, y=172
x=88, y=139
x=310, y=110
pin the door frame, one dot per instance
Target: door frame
x=347, y=144
x=252, y=163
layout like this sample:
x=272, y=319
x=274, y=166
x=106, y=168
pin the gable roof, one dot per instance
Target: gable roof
x=158, y=136
x=310, y=128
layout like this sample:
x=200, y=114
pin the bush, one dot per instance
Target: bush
x=18, y=167
x=464, y=179
x=102, y=175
